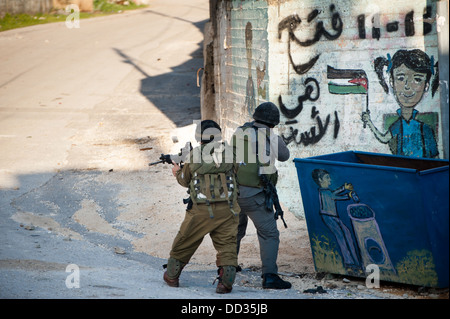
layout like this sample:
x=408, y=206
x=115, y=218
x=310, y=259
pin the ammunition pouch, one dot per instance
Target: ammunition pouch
x=213, y=188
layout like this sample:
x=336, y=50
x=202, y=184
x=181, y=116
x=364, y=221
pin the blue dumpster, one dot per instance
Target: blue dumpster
x=366, y=209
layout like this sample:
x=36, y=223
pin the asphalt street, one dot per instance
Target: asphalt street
x=69, y=100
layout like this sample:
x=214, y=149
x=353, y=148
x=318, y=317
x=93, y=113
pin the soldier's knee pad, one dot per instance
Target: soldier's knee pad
x=227, y=275
x=174, y=268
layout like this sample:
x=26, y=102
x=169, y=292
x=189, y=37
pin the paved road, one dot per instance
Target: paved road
x=53, y=79
x=75, y=103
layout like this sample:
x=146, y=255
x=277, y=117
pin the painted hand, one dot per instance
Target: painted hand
x=348, y=186
x=365, y=117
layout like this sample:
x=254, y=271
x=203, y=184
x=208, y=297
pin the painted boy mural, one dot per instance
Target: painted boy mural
x=328, y=213
x=410, y=72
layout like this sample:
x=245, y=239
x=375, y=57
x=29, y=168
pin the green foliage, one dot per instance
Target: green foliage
x=107, y=7
x=13, y=21
x=326, y=256
x=418, y=268
x=101, y=8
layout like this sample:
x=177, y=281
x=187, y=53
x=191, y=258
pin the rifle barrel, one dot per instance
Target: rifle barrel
x=154, y=163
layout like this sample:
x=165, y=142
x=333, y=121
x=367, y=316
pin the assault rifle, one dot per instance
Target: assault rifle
x=270, y=192
x=272, y=198
x=164, y=158
x=177, y=158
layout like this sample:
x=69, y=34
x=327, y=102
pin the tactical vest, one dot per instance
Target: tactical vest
x=214, y=181
x=248, y=173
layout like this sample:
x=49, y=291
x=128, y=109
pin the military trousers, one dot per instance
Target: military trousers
x=197, y=224
x=266, y=228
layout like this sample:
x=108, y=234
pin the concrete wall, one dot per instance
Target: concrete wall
x=83, y=5
x=325, y=63
x=41, y=6
x=24, y=6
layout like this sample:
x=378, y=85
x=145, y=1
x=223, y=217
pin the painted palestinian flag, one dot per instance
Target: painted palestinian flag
x=347, y=81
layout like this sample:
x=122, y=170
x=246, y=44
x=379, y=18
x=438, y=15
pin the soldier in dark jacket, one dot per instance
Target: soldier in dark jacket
x=258, y=139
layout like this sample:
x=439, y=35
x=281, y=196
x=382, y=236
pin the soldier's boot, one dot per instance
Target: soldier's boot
x=273, y=281
x=172, y=274
x=227, y=275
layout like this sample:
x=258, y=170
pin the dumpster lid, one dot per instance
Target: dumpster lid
x=399, y=161
x=380, y=160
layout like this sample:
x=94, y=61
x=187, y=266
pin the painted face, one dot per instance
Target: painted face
x=408, y=85
x=325, y=181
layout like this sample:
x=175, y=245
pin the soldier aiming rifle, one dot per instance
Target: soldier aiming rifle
x=179, y=158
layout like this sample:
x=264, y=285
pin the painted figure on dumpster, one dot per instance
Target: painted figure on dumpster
x=330, y=216
x=368, y=247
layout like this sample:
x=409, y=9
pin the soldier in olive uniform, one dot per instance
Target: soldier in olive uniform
x=209, y=174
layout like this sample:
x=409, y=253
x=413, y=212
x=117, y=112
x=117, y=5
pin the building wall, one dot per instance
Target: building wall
x=24, y=6
x=325, y=64
x=83, y=5
x=41, y=6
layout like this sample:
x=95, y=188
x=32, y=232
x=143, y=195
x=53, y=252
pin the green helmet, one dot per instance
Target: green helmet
x=207, y=131
x=267, y=113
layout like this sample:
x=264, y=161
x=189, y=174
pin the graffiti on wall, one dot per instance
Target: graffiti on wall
x=249, y=56
x=394, y=26
x=410, y=74
x=311, y=136
x=293, y=22
x=250, y=90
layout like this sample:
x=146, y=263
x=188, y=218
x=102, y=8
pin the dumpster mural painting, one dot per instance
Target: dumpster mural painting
x=368, y=247
x=370, y=242
x=366, y=209
x=330, y=216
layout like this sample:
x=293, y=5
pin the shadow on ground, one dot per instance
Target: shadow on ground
x=180, y=93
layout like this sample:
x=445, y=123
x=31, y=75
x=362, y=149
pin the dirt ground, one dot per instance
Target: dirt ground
x=159, y=214
x=151, y=212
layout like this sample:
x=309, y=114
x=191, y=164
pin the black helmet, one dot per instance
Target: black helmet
x=267, y=113
x=207, y=131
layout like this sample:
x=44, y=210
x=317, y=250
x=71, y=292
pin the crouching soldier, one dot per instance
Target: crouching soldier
x=209, y=174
